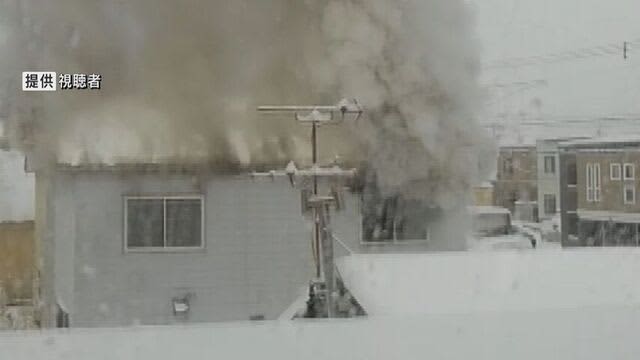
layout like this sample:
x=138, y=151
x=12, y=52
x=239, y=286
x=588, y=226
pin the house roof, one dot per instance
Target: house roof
x=477, y=210
x=611, y=142
x=165, y=165
x=523, y=146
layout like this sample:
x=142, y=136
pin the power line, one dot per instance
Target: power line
x=566, y=120
x=622, y=48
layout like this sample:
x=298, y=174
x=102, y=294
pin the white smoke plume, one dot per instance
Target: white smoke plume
x=414, y=65
x=181, y=80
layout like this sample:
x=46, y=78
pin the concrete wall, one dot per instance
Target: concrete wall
x=16, y=261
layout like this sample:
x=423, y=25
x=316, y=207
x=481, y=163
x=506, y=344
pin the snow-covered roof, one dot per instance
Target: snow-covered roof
x=563, y=139
x=615, y=216
x=439, y=283
x=484, y=185
x=606, y=141
x=528, y=146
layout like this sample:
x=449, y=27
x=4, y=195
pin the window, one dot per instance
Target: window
x=549, y=164
x=169, y=222
x=593, y=182
x=394, y=219
x=549, y=204
x=62, y=317
x=629, y=194
x=629, y=171
x=589, y=182
x=596, y=182
x=507, y=166
x=614, y=171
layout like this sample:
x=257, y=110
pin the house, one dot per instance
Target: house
x=516, y=180
x=153, y=244
x=601, y=183
x=483, y=194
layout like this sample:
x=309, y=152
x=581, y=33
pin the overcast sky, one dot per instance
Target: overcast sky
x=576, y=88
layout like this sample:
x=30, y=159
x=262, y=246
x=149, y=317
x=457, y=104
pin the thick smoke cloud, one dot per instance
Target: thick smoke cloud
x=182, y=80
x=414, y=65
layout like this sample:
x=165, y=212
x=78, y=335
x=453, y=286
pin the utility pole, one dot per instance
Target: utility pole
x=625, y=49
x=320, y=205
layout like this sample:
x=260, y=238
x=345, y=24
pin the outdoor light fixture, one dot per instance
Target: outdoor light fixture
x=181, y=305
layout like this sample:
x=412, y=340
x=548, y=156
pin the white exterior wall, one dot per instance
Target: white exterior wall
x=256, y=261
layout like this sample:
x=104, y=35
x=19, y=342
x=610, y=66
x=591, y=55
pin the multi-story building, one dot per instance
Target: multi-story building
x=516, y=180
x=599, y=185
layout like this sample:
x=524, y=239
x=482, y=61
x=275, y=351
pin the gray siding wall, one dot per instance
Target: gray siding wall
x=256, y=261
x=257, y=255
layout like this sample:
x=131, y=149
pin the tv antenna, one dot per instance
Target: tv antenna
x=319, y=206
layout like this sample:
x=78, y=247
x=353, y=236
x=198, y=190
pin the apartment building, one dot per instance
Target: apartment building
x=516, y=179
x=600, y=180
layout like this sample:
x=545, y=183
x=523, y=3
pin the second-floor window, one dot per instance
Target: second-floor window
x=163, y=222
x=615, y=171
x=629, y=171
x=549, y=204
x=629, y=194
x=593, y=182
x=549, y=164
x=507, y=167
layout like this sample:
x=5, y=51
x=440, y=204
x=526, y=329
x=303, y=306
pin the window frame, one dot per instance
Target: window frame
x=589, y=182
x=544, y=204
x=597, y=185
x=507, y=166
x=392, y=242
x=164, y=248
x=633, y=171
x=611, y=167
x=624, y=194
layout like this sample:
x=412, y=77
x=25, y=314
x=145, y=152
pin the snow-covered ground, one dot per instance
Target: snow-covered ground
x=472, y=282
x=584, y=334
x=539, y=304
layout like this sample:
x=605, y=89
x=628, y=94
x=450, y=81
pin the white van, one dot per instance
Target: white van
x=492, y=229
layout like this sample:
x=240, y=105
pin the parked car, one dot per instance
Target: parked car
x=492, y=229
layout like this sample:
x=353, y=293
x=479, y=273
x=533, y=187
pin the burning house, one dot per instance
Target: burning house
x=141, y=218
x=160, y=243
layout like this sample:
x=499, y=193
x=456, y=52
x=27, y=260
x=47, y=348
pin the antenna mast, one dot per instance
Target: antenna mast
x=320, y=205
